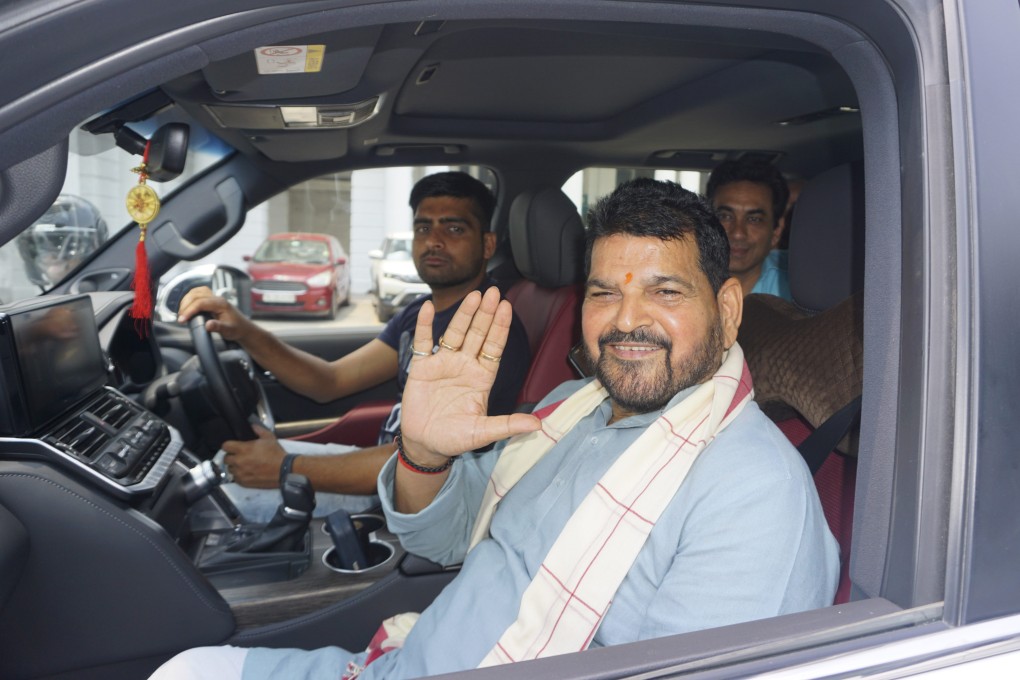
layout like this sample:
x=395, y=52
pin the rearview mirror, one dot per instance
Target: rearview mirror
x=168, y=150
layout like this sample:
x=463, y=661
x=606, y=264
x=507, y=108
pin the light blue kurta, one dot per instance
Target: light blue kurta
x=745, y=538
x=774, y=279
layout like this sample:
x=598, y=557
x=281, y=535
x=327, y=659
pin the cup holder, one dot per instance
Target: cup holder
x=365, y=524
x=377, y=553
x=368, y=551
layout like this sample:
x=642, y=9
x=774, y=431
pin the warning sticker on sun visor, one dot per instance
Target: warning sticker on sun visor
x=275, y=59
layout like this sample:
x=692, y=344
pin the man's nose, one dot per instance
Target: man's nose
x=737, y=229
x=434, y=239
x=632, y=313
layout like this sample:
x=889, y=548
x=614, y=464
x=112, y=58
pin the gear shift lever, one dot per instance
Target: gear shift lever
x=287, y=529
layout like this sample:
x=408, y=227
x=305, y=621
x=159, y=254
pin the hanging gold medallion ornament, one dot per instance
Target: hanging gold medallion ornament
x=142, y=206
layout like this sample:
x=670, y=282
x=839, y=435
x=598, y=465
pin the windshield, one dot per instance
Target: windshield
x=397, y=249
x=89, y=210
x=301, y=251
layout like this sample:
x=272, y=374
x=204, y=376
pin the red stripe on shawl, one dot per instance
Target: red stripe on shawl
x=546, y=410
x=743, y=389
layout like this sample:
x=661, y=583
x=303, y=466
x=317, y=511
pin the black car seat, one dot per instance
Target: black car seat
x=547, y=241
x=806, y=357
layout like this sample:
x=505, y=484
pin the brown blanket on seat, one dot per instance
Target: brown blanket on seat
x=812, y=365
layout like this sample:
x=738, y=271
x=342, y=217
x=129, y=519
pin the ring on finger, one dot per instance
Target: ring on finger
x=446, y=346
x=488, y=357
x=419, y=353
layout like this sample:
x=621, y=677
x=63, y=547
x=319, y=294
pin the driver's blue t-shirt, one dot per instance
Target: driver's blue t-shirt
x=513, y=367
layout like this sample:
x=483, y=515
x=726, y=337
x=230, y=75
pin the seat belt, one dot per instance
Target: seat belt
x=820, y=443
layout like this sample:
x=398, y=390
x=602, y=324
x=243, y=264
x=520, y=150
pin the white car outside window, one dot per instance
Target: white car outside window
x=395, y=279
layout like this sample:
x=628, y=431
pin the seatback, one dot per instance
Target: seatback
x=806, y=357
x=547, y=241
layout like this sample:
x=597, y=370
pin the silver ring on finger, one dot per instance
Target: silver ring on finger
x=419, y=353
x=489, y=357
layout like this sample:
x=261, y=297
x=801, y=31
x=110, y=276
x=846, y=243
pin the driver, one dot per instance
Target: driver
x=60, y=240
x=452, y=244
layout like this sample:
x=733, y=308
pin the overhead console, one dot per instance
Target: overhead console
x=54, y=371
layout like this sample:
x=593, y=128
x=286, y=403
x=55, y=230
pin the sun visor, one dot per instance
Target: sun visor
x=313, y=66
x=310, y=145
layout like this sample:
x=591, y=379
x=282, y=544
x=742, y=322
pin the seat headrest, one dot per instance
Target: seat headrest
x=547, y=238
x=811, y=363
x=827, y=238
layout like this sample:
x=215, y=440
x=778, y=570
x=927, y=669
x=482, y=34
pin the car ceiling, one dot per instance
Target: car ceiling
x=464, y=92
x=509, y=93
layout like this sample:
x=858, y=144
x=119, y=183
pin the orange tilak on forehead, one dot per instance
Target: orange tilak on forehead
x=628, y=278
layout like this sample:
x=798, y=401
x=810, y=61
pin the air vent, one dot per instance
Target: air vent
x=112, y=410
x=80, y=438
x=85, y=435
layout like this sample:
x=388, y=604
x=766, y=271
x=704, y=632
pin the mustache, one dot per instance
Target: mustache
x=639, y=336
x=434, y=253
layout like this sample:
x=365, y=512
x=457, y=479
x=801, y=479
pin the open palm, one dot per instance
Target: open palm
x=445, y=401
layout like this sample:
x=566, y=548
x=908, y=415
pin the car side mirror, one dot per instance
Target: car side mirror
x=375, y=254
x=234, y=285
x=341, y=260
x=246, y=258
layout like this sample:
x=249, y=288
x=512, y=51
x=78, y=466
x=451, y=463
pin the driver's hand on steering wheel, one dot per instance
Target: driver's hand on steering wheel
x=255, y=463
x=224, y=318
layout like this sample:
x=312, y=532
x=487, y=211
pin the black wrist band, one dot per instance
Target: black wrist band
x=286, y=465
x=407, y=462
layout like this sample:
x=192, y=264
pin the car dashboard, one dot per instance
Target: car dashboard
x=60, y=405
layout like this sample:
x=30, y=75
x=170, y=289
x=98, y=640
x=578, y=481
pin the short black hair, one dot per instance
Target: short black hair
x=757, y=171
x=666, y=211
x=457, y=185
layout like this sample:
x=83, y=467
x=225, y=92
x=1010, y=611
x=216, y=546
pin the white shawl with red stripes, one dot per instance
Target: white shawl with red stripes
x=564, y=605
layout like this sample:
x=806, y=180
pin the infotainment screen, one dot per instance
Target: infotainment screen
x=50, y=359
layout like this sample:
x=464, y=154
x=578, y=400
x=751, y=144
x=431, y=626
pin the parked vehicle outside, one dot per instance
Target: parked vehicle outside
x=395, y=280
x=299, y=273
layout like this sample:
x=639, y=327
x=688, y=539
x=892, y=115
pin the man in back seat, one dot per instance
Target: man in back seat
x=656, y=499
x=451, y=246
x=750, y=199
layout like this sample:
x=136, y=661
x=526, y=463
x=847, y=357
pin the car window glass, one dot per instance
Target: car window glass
x=586, y=186
x=307, y=249
x=88, y=211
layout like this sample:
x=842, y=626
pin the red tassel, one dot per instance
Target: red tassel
x=141, y=310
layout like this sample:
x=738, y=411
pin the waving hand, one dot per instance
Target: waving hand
x=445, y=400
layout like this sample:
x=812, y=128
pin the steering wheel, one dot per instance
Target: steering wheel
x=226, y=399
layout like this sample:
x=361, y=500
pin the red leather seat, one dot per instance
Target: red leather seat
x=547, y=241
x=358, y=427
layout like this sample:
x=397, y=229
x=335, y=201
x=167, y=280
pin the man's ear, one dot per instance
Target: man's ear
x=488, y=245
x=777, y=233
x=731, y=309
